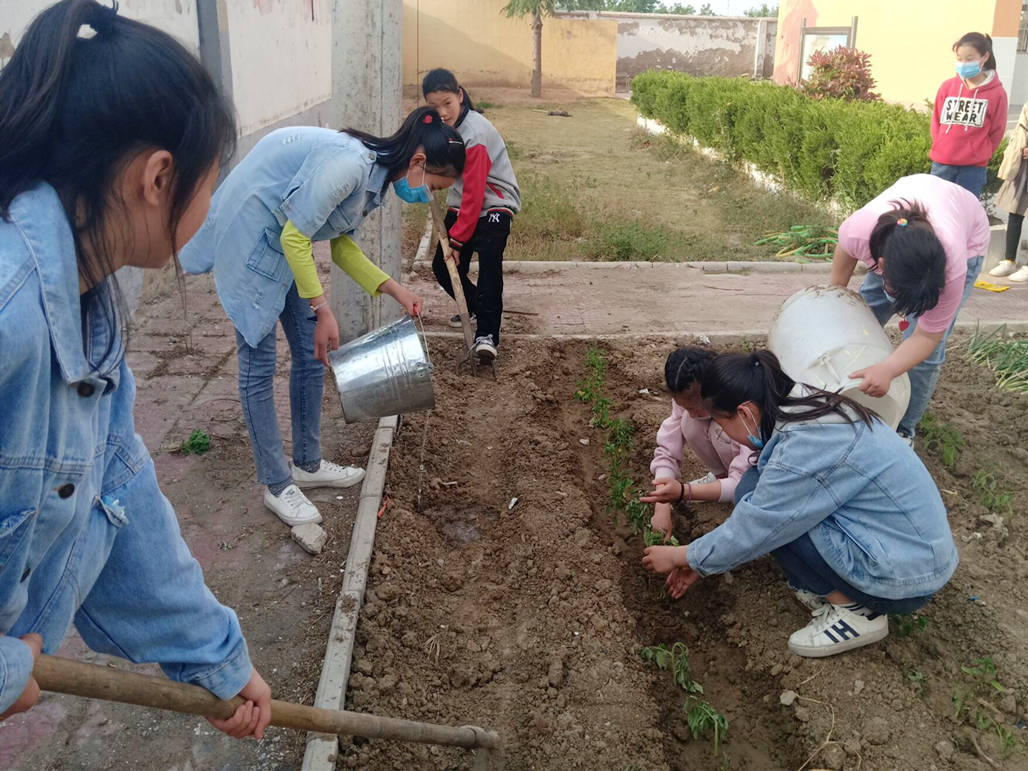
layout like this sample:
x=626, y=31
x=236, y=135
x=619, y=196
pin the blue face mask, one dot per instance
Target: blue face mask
x=968, y=70
x=756, y=441
x=419, y=194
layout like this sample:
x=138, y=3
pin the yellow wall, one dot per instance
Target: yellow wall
x=909, y=40
x=484, y=48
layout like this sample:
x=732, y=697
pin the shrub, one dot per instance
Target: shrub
x=842, y=73
x=818, y=148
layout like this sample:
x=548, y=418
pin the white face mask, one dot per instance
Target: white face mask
x=756, y=441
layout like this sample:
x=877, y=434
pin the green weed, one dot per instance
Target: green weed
x=1007, y=358
x=198, y=443
x=941, y=437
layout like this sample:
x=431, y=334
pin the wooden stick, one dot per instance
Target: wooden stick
x=75, y=678
x=451, y=266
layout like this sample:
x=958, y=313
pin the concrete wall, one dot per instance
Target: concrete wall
x=726, y=46
x=484, y=48
x=910, y=42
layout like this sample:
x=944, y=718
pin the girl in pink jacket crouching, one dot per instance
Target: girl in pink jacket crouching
x=689, y=424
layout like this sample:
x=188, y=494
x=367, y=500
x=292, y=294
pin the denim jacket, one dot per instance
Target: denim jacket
x=85, y=533
x=867, y=501
x=323, y=181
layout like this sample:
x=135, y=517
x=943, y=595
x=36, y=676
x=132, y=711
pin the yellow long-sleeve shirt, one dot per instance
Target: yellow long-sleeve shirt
x=345, y=253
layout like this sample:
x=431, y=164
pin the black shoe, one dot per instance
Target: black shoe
x=455, y=321
x=485, y=349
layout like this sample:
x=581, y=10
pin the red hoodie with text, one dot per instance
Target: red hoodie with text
x=968, y=124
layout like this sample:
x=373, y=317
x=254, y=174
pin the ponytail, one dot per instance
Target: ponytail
x=684, y=368
x=915, y=259
x=423, y=129
x=980, y=43
x=74, y=110
x=444, y=80
x=733, y=379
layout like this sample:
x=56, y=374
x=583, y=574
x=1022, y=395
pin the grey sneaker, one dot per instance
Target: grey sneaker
x=455, y=320
x=485, y=349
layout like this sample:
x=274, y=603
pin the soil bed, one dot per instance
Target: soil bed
x=529, y=619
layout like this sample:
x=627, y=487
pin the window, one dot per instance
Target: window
x=824, y=39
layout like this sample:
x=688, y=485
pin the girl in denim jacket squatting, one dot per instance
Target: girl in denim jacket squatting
x=843, y=504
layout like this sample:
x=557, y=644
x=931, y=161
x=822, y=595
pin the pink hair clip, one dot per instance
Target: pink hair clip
x=428, y=119
x=902, y=222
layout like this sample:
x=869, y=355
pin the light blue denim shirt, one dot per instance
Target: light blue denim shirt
x=323, y=181
x=85, y=533
x=869, y=504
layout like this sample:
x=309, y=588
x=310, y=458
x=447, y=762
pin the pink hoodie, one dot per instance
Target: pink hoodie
x=728, y=460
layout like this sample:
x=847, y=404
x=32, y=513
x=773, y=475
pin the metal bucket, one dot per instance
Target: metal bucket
x=385, y=372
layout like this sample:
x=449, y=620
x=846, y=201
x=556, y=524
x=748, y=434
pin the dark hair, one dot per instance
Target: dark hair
x=980, y=43
x=444, y=80
x=685, y=367
x=915, y=260
x=732, y=379
x=423, y=128
x=74, y=110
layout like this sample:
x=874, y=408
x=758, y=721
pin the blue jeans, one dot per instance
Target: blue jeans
x=306, y=385
x=971, y=178
x=806, y=569
x=925, y=376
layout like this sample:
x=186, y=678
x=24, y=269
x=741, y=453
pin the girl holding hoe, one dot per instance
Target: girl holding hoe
x=481, y=207
x=690, y=425
x=850, y=513
x=923, y=241
x=296, y=186
x=109, y=149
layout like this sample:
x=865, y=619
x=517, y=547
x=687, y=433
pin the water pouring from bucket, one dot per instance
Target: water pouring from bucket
x=385, y=372
x=822, y=334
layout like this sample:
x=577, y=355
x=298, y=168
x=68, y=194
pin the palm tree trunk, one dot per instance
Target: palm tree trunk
x=537, y=55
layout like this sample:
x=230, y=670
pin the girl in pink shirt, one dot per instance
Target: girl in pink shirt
x=690, y=424
x=923, y=241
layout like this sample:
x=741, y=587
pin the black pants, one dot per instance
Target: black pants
x=485, y=300
x=1014, y=224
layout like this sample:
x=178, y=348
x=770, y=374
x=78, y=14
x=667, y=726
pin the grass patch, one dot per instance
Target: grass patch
x=1006, y=357
x=595, y=187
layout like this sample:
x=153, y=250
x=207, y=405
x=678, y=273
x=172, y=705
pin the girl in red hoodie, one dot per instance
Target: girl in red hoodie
x=970, y=115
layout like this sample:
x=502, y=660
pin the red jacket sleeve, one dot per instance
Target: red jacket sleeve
x=476, y=171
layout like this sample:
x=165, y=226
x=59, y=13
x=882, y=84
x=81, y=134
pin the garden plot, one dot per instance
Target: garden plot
x=529, y=616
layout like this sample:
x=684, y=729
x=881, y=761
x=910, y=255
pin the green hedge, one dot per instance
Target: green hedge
x=849, y=151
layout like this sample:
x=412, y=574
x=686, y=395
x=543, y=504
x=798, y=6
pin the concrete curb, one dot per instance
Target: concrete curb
x=323, y=749
x=737, y=266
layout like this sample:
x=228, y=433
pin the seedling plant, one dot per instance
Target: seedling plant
x=701, y=717
x=943, y=438
x=910, y=624
x=198, y=443
x=987, y=487
x=971, y=702
x=1007, y=358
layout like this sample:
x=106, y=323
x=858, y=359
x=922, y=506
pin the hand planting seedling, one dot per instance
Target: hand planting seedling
x=651, y=538
x=198, y=443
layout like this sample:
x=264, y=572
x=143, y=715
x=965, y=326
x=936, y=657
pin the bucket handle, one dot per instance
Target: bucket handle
x=424, y=340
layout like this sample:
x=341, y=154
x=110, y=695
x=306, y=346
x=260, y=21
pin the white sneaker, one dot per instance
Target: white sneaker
x=1020, y=275
x=710, y=477
x=1005, y=268
x=809, y=600
x=485, y=349
x=908, y=439
x=292, y=506
x=329, y=475
x=838, y=628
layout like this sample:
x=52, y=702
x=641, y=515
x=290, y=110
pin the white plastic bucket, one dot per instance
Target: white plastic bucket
x=823, y=333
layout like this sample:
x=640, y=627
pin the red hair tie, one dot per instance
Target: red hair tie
x=428, y=119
